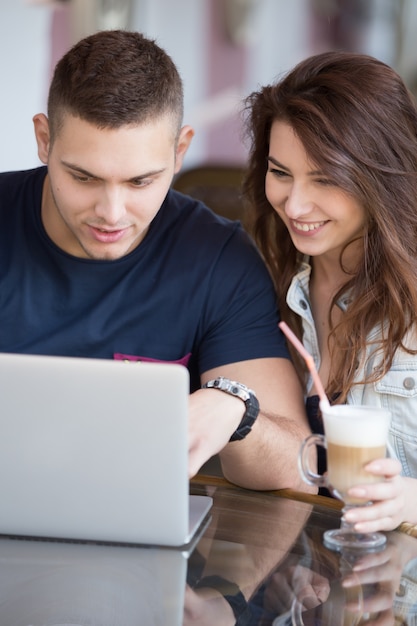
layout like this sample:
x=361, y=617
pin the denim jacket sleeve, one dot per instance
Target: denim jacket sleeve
x=397, y=392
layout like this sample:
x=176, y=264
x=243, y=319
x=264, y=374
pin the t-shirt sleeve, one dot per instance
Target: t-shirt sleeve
x=241, y=316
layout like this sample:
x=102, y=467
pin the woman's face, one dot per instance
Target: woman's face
x=321, y=218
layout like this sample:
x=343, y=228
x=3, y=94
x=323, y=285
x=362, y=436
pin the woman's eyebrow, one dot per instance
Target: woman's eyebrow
x=283, y=167
x=277, y=163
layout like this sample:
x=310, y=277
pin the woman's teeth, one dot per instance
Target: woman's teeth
x=307, y=227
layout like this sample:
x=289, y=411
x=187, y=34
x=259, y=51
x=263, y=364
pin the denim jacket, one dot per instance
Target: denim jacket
x=396, y=391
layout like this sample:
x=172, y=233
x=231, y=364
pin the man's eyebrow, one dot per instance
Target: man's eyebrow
x=147, y=174
x=81, y=170
x=76, y=168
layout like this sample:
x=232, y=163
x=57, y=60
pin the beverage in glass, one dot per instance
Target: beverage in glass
x=354, y=436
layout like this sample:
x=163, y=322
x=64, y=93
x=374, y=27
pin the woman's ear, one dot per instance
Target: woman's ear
x=184, y=140
x=41, y=126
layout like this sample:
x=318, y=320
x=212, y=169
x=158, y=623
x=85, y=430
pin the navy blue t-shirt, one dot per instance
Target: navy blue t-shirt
x=194, y=291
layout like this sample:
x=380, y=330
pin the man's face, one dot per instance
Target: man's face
x=105, y=186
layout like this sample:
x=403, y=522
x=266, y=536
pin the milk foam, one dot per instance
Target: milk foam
x=356, y=426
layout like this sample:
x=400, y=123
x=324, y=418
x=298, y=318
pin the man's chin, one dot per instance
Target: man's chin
x=107, y=256
x=105, y=252
x=100, y=251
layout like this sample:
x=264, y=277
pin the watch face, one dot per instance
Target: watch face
x=245, y=394
x=232, y=387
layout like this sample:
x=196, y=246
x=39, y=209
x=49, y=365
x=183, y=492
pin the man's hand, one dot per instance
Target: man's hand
x=206, y=607
x=267, y=457
x=213, y=418
x=295, y=583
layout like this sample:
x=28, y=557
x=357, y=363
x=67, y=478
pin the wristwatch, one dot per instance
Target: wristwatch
x=248, y=396
x=233, y=596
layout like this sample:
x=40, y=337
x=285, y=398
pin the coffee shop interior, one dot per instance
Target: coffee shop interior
x=223, y=48
x=236, y=46
x=259, y=557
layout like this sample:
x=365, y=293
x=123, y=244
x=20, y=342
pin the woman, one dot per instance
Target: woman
x=332, y=185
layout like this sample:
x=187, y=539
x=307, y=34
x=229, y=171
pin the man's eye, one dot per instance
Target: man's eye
x=141, y=182
x=81, y=178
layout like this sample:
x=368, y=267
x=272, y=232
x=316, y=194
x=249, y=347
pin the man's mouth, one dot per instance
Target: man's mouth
x=105, y=235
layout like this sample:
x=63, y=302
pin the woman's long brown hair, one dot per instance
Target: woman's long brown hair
x=358, y=124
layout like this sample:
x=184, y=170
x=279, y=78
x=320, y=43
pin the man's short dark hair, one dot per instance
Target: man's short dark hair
x=115, y=78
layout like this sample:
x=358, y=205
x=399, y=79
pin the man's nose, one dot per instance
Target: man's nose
x=111, y=205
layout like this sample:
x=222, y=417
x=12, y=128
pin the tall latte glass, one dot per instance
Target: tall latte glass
x=354, y=436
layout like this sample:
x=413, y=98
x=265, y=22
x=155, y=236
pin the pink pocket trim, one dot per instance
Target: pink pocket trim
x=118, y=356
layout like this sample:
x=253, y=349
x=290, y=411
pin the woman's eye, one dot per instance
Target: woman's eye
x=278, y=173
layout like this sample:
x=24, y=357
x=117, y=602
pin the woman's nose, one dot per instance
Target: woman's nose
x=298, y=202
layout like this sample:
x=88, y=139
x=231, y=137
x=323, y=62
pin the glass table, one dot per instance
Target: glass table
x=259, y=559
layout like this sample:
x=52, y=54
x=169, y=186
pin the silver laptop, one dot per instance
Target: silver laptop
x=96, y=450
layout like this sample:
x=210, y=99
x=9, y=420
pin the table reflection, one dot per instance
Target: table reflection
x=375, y=587
x=54, y=583
x=262, y=551
x=296, y=580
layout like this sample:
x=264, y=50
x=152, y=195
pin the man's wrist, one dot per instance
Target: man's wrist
x=245, y=394
x=231, y=593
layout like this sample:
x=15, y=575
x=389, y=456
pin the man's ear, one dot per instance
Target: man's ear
x=184, y=140
x=41, y=125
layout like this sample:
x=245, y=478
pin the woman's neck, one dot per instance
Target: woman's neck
x=327, y=271
x=325, y=281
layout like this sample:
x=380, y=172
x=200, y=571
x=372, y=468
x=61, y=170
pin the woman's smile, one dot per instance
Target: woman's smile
x=307, y=227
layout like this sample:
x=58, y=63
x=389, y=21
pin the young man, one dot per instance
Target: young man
x=100, y=258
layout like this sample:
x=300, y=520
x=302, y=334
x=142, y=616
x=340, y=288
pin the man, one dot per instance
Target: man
x=100, y=258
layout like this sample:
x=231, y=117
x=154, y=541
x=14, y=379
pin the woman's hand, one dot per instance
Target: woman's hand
x=394, y=499
x=378, y=577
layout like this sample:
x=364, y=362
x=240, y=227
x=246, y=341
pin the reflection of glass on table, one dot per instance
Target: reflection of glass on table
x=344, y=606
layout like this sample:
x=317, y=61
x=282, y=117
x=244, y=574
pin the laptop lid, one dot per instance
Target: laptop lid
x=94, y=449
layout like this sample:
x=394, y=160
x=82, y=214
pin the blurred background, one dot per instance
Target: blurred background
x=224, y=49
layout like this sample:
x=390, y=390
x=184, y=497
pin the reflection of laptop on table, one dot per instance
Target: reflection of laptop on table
x=94, y=449
x=55, y=583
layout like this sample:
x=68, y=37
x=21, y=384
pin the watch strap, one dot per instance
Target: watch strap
x=233, y=596
x=245, y=394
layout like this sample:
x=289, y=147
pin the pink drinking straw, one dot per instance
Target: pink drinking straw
x=309, y=360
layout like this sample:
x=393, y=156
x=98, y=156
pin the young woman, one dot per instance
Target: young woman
x=332, y=185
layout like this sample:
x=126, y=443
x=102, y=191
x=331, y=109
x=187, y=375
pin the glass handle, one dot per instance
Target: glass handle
x=304, y=457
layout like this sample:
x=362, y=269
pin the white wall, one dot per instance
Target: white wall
x=281, y=40
x=278, y=40
x=24, y=71
x=179, y=27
